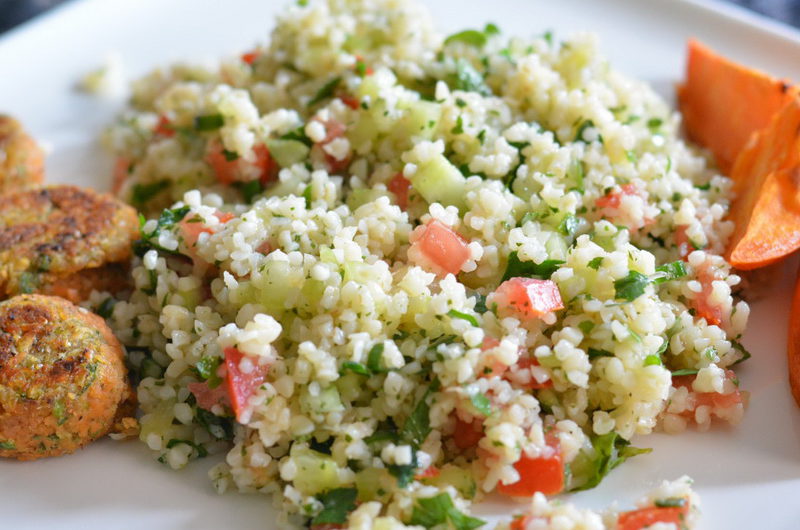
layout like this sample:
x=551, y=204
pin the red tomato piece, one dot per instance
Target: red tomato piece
x=191, y=228
x=711, y=399
x=467, y=435
x=250, y=57
x=614, y=198
x=702, y=304
x=164, y=127
x=444, y=246
x=429, y=472
x=264, y=248
x=208, y=397
x=241, y=385
x=225, y=170
x=224, y=217
x=266, y=164
x=399, y=186
x=644, y=517
x=685, y=246
x=367, y=69
x=521, y=522
x=529, y=297
x=544, y=474
x=350, y=101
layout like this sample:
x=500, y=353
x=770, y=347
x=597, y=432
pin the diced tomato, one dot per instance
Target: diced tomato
x=224, y=169
x=429, y=472
x=399, y=186
x=208, y=397
x=190, y=229
x=685, y=246
x=711, y=399
x=264, y=248
x=164, y=127
x=529, y=297
x=224, y=217
x=122, y=169
x=444, y=246
x=350, y=101
x=614, y=198
x=333, y=129
x=250, y=57
x=229, y=171
x=241, y=385
x=544, y=474
x=702, y=304
x=269, y=168
x=467, y=435
x=644, y=517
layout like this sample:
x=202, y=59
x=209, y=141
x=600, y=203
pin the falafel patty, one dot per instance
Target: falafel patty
x=52, y=239
x=62, y=377
x=21, y=158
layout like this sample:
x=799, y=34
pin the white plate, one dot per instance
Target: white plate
x=748, y=477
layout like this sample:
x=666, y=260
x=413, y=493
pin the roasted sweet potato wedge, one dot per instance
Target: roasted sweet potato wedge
x=724, y=103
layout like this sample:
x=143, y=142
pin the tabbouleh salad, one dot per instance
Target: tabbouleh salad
x=389, y=272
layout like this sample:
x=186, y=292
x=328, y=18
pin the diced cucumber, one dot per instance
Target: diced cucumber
x=327, y=400
x=556, y=247
x=274, y=285
x=350, y=386
x=421, y=119
x=357, y=272
x=363, y=131
x=369, y=87
x=372, y=483
x=312, y=292
x=287, y=152
x=460, y=479
x=316, y=472
x=326, y=255
x=158, y=421
x=437, y=180
x=361, y=196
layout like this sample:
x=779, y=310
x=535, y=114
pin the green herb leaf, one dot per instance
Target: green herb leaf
x=685, y=371
x=596, y=262
x=209, y=122
x=7, y=445
x=219, y=427
x=491, y=29
x=298, y=135
x=106, y=308
x=230, y=156
x=469, y=80
x=608, y=451
x=652, y=359
x=28, y=282
x=671, y=502
x=202, y=452
x=654, y=123
x=249, y=190
x=356, y=368
x=669, y=272
x=741, y=349
x=207, y=370
x=142, y=193
x=481, y=403
x=528, y=269
x=594, y=353
x=631, y=286
x=463, y=316
x=473, y=37
x=587, y=124
x=418, y=425
x=375, y=359
x=459, y=128
x=480, y=304
x=439, y=510
x=326, y=91
x=307, y=196
x=586, y=326
x=336, y=506
x=569, y=225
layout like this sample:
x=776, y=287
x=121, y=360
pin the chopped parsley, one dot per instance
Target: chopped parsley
x=469, y=80
x=528, y=269
x=375, y=359
x=207, y=370
x=595, y=263
x=440, y=510
x=142, y=193
x=356, y=368
x=481, y=403
x=208, y=122
x=631, y=286
x=591, y=466
x=336, y=506
x=326, y=91
x=463, y=316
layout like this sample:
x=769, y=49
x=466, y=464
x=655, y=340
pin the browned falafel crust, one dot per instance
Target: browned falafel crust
x=62, y=377
x=50, y=234
x=21, y=158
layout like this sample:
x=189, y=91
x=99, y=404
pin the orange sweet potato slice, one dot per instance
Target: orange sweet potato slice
x=724, y=103
x=766, y=178
x=793, y=345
